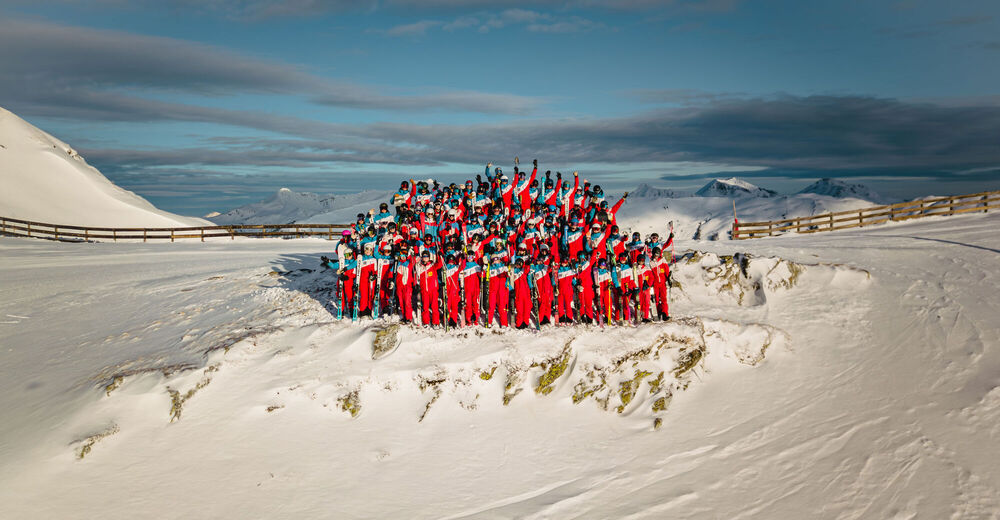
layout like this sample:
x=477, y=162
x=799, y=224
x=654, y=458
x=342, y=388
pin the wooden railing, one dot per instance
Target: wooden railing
x=62, y=232
x=939, y=206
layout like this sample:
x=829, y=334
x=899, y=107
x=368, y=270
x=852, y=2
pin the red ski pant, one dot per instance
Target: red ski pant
x=498, y=299
x=471, y=302
x=347, y=296
x=544, y=300
x=587, y=300
x=643, y=310
x=522, y=303
x=606, y=301
x=624, y=311
x=404, y=293
x=454, y=297
x=565, y=301
x=366, y=289
x=430, y=310
x=661, y=298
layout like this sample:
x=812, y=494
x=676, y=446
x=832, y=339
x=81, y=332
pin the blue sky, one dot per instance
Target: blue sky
x=206, y=105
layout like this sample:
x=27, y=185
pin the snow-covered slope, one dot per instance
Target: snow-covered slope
x=841, y=189
x=849, y=374
x=646, y=191
x=733, y=187
x=287, y=206
x=711, y=218
x=45, y=180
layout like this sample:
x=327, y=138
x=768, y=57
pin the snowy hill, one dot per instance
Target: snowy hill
x=644, y=190
x=841, y=189
x=831, y=375
x=733, y=187
x=45, y=180
x=287, y=206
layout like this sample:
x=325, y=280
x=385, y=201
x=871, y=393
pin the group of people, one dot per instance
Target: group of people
x=521, y=249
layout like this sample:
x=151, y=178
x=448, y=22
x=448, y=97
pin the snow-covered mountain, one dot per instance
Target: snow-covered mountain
x=733, y=187
x=287, y=206
x=45, y=180
x=840, y=189
x=644, y=190
x=283, y=207
x=710, y=215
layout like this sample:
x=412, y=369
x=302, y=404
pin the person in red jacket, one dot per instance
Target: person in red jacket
x=366, y=279
x=522, y=294
x=541, y=280
x=471, y=280
x=453, y=294
x=585, y=280
x=626, y=284
x=565, y=282
x=427, y=279
x=403, y=278
x=645, y=282
x=660, y=268
x=499, y=292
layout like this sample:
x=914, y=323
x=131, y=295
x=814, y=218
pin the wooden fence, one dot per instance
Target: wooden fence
x=27, y=228
x=939, y=206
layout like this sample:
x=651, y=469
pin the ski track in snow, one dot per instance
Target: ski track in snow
x=879, y=398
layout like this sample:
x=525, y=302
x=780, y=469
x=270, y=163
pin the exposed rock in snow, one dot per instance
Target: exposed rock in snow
x=733, y=187
x=45, y=180
x=840, y=189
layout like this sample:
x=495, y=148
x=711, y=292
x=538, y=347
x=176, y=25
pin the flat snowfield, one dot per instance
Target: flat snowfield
x=853, y=374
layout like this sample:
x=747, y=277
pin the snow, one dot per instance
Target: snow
x=287, y=206
x=711, y=218
x=45, y=180
x=850, y=374
x=733, y=187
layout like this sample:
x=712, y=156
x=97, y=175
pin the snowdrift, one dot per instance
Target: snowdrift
x=837, y=375
x=45, y=180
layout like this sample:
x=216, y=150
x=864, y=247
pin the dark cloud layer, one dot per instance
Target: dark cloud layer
x=51, y=69
x=793, y=133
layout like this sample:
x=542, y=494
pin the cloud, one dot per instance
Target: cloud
x=683, y=96
x=102, y=74
x=573, y=24
x=412, y=29
x=815, y=133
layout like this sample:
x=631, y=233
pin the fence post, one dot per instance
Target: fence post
x=831, y=221
x=330, y=236
x=171, y=235
x=86, y=234
x=4, y=226
x=143, y=235
x=733, y=232
x=29, y=229
x=55, y=232
x=986, y=205
x=114, y=234
x=232, y=233
x=951, y=206
x=770, y=229
x=202, y=234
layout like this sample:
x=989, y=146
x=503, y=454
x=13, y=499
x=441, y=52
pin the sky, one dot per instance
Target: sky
x=204, y=105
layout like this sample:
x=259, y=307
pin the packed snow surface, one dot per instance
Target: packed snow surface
x=851, y=374
x=44, y=180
